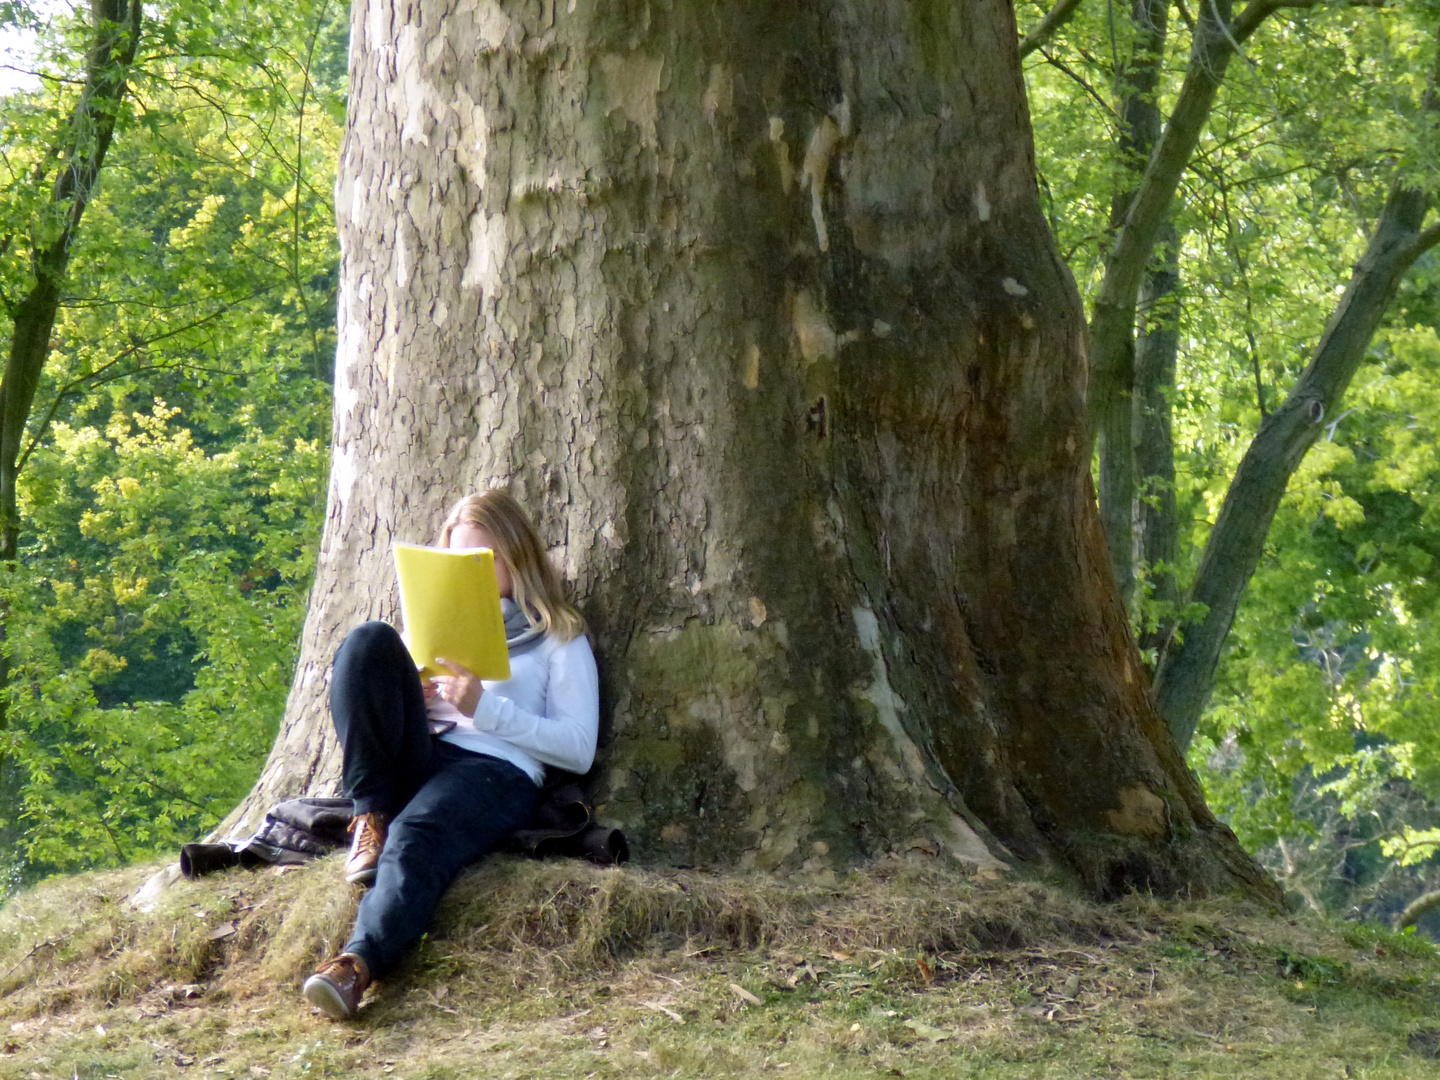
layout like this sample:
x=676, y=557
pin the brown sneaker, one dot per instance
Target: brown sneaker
x=369, y=833
x=338, y=985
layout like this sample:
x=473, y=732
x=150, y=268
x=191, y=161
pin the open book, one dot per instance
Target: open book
x=450, y=604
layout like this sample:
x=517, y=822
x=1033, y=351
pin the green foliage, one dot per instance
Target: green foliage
x=153, y=630
x=166, y=549
x=1413, y=845
x=1311, y=969
x=1378, y=941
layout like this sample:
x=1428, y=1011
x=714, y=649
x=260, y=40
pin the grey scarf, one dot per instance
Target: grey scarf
x=521, y=635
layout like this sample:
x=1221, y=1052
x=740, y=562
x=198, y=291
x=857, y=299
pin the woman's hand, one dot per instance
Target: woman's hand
x=461, y=688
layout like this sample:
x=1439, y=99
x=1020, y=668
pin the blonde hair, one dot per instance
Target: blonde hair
x=533, y=578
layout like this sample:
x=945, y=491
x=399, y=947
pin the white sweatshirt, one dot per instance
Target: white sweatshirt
x=546, y=713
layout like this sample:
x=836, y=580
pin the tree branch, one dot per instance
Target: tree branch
x=1416, y=910
x=1057, y=17
x=1112, y=323
x=98, y=377
x=1065, y=68
x=1425, y=240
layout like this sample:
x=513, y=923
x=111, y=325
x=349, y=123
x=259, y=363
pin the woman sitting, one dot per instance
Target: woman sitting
x=428, y=805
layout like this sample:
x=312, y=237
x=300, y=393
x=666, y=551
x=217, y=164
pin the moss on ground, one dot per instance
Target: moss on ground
x=565, y=971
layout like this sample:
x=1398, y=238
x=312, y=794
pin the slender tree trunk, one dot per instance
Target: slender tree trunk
x=1157, y=526
x=116, y=26
x=755, y=306
x=1113, y=399
x=1187, y=667
x=1112, y=321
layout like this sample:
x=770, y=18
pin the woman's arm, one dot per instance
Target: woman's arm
x=565, y=736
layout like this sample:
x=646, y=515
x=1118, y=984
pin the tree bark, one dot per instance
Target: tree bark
x=1157, y=525
x=81, y=153
x=755, y=306
x=1187, y=667
x=1416, y=910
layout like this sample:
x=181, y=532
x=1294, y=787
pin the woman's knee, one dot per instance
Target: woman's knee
x=367, y=644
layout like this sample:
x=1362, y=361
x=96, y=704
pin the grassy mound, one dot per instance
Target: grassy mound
x=566, y=971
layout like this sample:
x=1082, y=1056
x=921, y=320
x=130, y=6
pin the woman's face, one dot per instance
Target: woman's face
x=466, y=535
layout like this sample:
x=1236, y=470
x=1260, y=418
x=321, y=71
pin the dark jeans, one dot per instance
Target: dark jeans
x=450, y=806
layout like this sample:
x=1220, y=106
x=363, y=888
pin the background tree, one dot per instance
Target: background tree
x=61, y=180
x=757, y=308
x=1317, y=744
x=167, y=545
x=1129, y=414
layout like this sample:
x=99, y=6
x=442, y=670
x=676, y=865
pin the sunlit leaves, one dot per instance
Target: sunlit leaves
x=149, y=672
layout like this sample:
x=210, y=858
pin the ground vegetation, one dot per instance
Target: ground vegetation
x=902, y=969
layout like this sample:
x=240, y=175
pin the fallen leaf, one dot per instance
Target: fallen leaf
x=804, y=970
x=927, y=1031
x=667, y=1011
x=745, y=995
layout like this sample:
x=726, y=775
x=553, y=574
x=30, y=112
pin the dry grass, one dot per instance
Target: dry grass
x=563, y=970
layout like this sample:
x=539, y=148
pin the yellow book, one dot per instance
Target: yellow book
x=450, y=604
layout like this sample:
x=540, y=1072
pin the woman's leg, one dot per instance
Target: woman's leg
x=464, y=811
x=378, y=708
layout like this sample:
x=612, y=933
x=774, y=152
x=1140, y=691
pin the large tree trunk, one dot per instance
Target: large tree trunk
x=754, y=305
